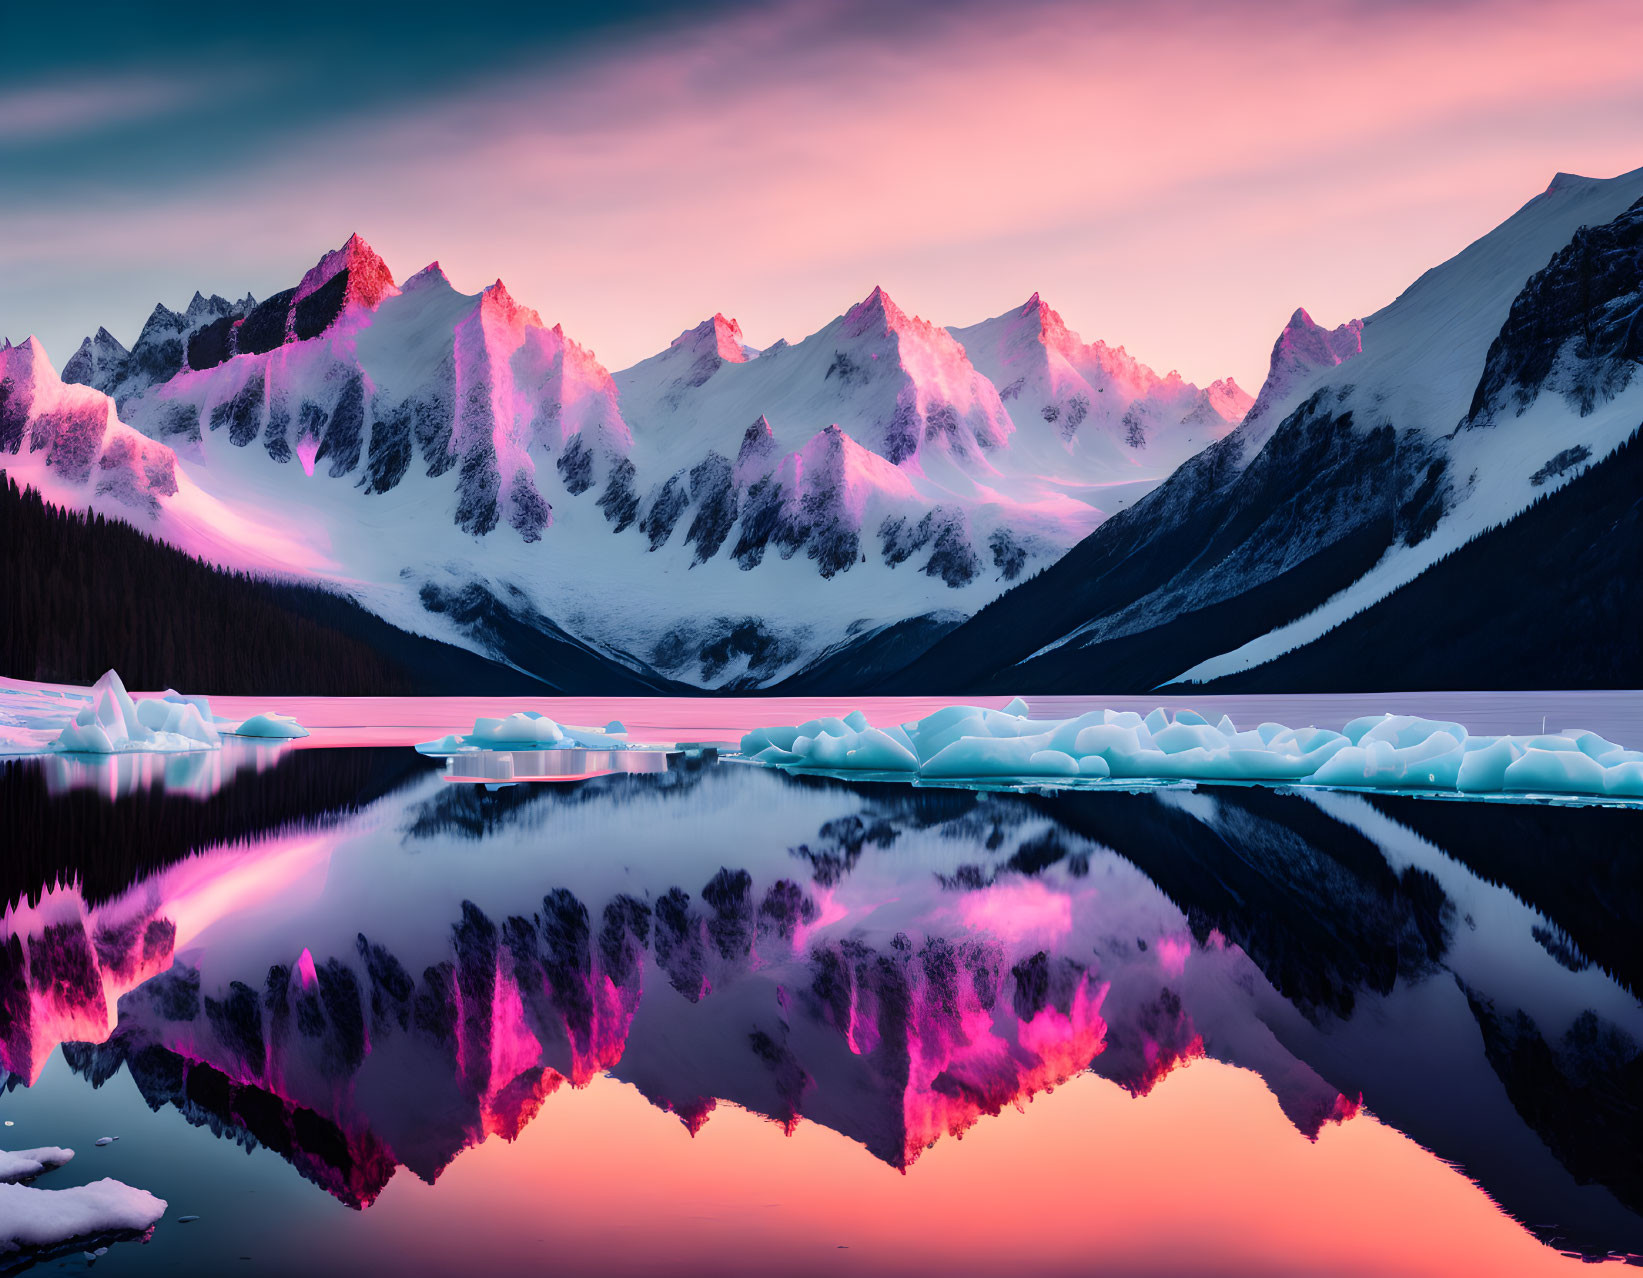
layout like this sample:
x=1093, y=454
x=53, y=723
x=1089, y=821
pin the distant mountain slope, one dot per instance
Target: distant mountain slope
x=1096, y=403
x=1484, y=387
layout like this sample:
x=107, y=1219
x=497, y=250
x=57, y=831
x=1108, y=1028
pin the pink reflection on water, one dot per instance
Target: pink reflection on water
x=1172, y=955
x=401, y=721
x=1019, y=912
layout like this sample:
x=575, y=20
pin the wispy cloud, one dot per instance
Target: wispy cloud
x=1177, y=177
x=53, y=112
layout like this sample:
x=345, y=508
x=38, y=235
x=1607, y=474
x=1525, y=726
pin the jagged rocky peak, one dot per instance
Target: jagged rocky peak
x=351, y=277
x=1305, y=340
x=719, y=337
x=758, y=449
x=1229, y=399
x=26, y=363
x=1303, y=348
x=74, y=432
x=1576, y=327
x=1046, y=324
x=162, y=319
x=431, y=274
x=497, y=302
x=99, y=359
x=878, y=313
x=201, y=308
x=369, y=279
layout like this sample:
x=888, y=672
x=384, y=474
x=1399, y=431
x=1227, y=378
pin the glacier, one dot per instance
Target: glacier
x=1373, y=752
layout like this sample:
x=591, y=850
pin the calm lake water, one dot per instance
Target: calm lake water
x=358, y=1018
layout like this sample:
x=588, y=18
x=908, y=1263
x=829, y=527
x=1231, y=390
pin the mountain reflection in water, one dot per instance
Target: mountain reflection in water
x=369, y=968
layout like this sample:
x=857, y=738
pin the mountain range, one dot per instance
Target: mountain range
x=887, y=504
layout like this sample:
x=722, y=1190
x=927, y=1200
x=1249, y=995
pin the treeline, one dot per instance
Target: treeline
x=81, y=594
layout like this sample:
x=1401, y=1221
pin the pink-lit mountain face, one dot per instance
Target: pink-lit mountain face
x=1097, y=400
x=1420, y=461
x=716, y=514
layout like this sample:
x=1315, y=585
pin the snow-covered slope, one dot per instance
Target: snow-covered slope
x=1374, y=451
x=716, y=514
x=1100, y=408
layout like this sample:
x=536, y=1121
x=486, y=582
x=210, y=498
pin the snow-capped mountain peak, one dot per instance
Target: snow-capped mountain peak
x=71, y=438
x=1303, y=339
x=202, y=308
x=515, y=474
x=1303, y=350
x=369, y=279
x=718, y=337
x=874, y=313
x=758, y=451
x=1093, y=401
x=1229, y=399
x=497, y=303
x=433, y=273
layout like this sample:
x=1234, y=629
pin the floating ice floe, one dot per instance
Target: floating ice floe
x=269, y=724
x=1383, y=752
x=112, y=722
x=21, y=1164
x=40, y=1218
x=526, y=730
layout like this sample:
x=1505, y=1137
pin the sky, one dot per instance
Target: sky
x=1176, y=177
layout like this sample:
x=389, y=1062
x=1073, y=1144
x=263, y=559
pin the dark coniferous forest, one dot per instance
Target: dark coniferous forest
x=82, y=593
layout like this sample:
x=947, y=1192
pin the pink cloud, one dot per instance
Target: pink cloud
x=1176, y=178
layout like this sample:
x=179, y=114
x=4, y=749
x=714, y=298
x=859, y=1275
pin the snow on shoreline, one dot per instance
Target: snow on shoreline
x=1378, y=752
x=24, y=1164
x=41, y=1218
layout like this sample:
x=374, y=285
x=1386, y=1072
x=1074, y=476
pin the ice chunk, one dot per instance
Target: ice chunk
x=517, y=730
x=112, y=722
x=34, y=1218
x=1554, y=771
x=995, y=757
x=21, y=1164
x=1396, y=752
x=269, y=724
x=532, y=730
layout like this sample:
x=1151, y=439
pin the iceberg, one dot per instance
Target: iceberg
x=1375, y=752
x=524, y=730
x=269, y=724
x=112, y=722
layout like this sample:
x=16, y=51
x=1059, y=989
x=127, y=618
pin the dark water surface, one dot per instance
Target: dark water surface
x=358, y=1018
